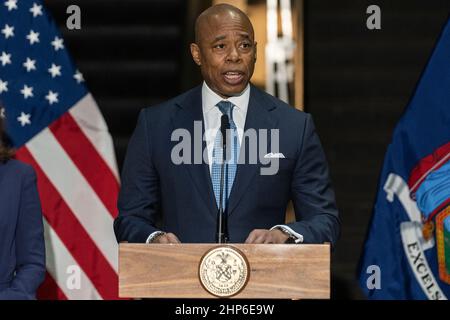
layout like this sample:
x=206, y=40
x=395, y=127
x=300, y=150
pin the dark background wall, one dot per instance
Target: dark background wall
x=134, y=53
x=130, y=53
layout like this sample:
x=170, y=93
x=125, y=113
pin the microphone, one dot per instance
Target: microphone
x=222, y=223
x=224, y=126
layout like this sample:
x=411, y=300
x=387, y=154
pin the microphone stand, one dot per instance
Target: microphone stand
x=222, y=223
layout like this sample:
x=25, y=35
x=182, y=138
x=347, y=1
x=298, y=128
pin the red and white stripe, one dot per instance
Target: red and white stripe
x=78, y=186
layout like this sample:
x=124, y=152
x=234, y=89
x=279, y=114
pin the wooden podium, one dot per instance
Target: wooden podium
x=276, y=271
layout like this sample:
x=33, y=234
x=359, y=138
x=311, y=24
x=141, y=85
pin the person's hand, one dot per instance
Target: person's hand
x=166, y=238
x=266, y=236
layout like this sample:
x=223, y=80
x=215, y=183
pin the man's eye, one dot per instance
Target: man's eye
x=246, y=45
x=219, y=46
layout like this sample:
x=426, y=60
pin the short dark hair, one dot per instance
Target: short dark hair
x=6, y=152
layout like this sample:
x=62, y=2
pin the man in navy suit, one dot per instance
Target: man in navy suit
x=163, y=200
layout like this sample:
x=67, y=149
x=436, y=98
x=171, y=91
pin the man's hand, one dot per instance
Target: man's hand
x=266, y=236
x=166, y=238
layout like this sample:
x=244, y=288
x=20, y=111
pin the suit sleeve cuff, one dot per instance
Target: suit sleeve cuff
x=298, y=237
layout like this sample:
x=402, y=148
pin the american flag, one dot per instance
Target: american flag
x=56, y=126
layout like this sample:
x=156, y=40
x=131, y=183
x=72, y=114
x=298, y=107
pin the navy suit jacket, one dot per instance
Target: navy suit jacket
x=22, y=248
x=157, y=194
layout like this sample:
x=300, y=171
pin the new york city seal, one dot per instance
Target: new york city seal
x=224, y=271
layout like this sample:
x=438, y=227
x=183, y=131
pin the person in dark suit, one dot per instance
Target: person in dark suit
x=164, y=200
x=22, y=248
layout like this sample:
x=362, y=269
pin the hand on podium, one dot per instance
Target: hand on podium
x=165, y=238
x=267, y=236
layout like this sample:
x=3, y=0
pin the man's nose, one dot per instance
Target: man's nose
x=234, y=55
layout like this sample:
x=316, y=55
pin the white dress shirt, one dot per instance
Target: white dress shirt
x=212, y=115
x=211, y=118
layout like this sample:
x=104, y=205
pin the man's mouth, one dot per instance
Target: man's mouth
x=233, y=77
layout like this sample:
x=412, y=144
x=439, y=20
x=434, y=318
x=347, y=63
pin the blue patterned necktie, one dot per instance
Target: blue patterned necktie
x=230, y=164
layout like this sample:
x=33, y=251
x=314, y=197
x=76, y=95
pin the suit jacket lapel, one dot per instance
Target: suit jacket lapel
x=258, y=117
x=190, y=110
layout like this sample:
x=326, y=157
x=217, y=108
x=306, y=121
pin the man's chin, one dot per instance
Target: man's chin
x=234, y=91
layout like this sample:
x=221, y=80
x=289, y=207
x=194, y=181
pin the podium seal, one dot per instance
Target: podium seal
x=224, y=271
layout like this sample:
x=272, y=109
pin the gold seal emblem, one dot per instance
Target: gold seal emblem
x=224, y=271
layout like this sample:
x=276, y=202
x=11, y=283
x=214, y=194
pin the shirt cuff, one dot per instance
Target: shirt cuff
x=153, y=235
x=298, y=237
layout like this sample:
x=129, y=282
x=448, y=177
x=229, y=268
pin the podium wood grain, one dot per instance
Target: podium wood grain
x=277, y=271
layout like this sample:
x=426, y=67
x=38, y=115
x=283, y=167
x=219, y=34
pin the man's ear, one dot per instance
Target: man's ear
x=256, y=51
x=196, y=54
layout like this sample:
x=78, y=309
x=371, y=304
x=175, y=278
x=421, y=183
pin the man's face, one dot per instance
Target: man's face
x=226, y=53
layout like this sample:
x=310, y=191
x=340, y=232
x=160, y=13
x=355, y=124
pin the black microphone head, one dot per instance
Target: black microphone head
x=224, y=124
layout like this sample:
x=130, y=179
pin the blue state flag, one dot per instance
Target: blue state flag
x=407, y=251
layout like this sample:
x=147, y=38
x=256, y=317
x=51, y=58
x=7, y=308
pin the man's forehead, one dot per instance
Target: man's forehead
x=223, y=12
x=220, y=20
x=238, y=33
x=219, y=29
